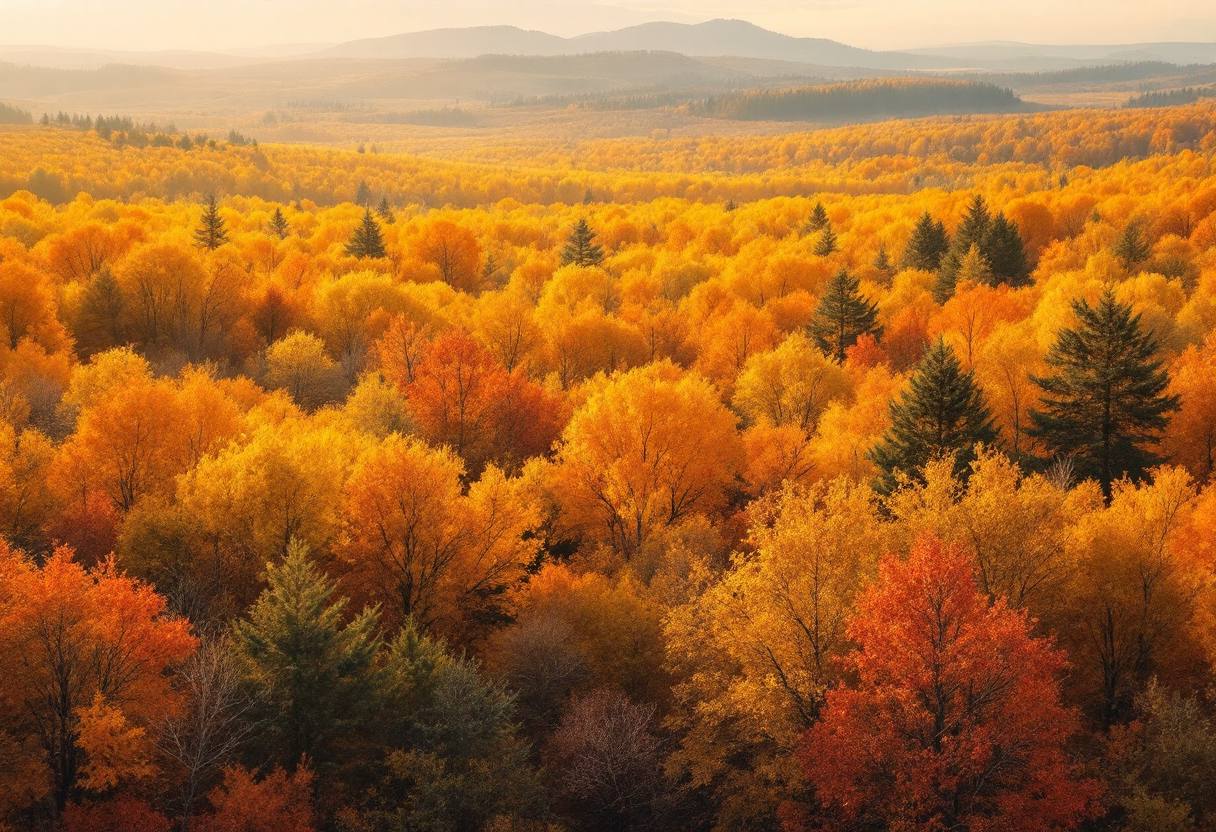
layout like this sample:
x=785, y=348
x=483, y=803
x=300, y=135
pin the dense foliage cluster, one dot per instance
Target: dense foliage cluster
x=629, y=509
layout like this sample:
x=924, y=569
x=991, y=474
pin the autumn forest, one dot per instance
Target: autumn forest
x=855, y=477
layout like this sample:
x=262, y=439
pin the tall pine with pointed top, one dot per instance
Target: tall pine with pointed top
x=1105, y=405
x=1131, y=248
x=927, y=246
x=581, y=249
x=842, y=316
x=212, y=233
x=278, y=224
x=313, y=671
x=972, y=231
x=385, y=211
x=826, y=245
x=367, y=240
x=942, y=413
x=818, y=220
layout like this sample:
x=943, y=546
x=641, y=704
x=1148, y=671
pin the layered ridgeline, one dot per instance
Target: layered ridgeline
x=868, y=99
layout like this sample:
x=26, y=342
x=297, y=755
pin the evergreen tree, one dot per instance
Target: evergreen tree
x=826, y=246
x=974, y=268
x=314, y=675
x=211, y=234
x=1005, y=252
x=1132, y=249
x=588, y=197
x=278, y=224
x=581, y=248
x=842, y=316
x=363, y=195
x=928, y=244
x=490, y=269
x=942, y=413
x=973, y=231
x=1105, y=404
x=882, y=260
x=385, y=211
x=367, y=240
x=818, y=220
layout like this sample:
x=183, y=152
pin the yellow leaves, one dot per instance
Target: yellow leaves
x=790, y=385
x=115, y=750
x=648, y=448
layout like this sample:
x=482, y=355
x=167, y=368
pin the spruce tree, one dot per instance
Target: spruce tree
x=581, y=248
x=826, y=246
x=385, y=211
x=314, y=674
x=211, y=234
x=363, y=194
x=1005, y=252
x=972, y=231
x=941, y=414
x=928, y=244
x=882, y=260
x=842, y=317
x=278, y=224
x=818, y=220
x=1105, y=405
x=367, y=240
x=1132, y=249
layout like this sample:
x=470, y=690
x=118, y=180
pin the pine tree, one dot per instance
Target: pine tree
x=818, y=220
x=314, y=674
x=278, y=224
x=1132, y=249
x=973, y=231
x=1105, y=404
x=211, y=234
x=1005, y=252
x=385, y=211
x=826, y=246
x=842, y=317
x=581, y=248
x=974, y=268
x=490, y=269
x=942, y=413
x=882, y=260
x=928, y=244
x=363, y=195
x=367, y=240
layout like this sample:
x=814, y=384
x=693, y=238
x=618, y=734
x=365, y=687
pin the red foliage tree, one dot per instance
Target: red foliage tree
x=462, y=397
x=955, y=722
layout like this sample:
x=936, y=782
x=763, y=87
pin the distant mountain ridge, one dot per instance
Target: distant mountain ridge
x=715, y=38
x=735, y=38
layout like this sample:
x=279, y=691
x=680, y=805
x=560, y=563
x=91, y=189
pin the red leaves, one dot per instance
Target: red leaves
x=955, y=720
x=279, y=802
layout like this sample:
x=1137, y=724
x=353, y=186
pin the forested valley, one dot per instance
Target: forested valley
x=856, y=478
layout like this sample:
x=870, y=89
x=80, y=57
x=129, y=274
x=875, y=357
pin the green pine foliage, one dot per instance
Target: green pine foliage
x=1105, y=405
x=996, y=238
x=1132, y=248
x=942, y=413
x=278, y=224
x=212, y=233
x=882, y=261
x=313, y=669
x=842, y=316
x=363, y=194
x=385, y=211
x=927, y=246
x=367, y=240
x=581, y=248
x=826, y=245
x=818, y=220
x=456, y=761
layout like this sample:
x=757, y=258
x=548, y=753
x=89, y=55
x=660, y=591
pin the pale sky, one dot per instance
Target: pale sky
x=877, y=24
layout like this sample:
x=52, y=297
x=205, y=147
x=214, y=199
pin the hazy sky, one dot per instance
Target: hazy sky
x=880, y=24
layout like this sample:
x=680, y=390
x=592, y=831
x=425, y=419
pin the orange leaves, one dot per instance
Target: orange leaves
x=452, y=251
x=74, y=640
x=946, y=687
x=279, y=802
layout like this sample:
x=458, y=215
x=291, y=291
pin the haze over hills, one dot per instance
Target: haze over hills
x=716, y=38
